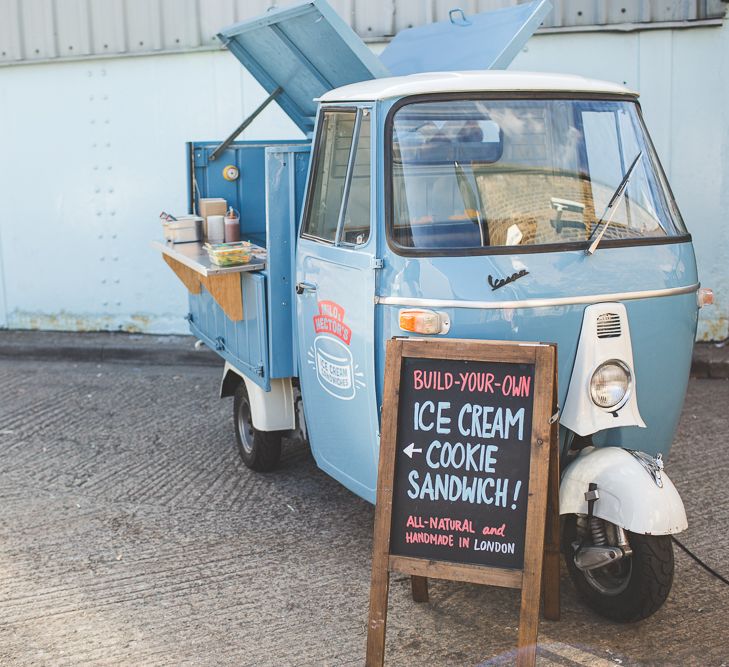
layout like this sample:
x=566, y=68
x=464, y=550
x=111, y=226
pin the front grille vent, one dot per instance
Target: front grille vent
x=609, y=326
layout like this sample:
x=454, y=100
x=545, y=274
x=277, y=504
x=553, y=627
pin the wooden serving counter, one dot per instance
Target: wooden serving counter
x=193, y=267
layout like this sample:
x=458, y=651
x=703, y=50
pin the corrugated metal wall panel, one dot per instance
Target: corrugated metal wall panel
x=32, y=30
x=374, y=19
x=107, y=24
x=212, y=16
x=635, y=12
x=180, y=24
x=73, y=28
x=578, y=13
x=37, y=29
x=10, y=47
x=571, y=13
x=143, y=21
x=411, y=14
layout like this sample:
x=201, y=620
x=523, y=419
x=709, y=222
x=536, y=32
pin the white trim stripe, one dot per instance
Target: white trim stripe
x=534, y=303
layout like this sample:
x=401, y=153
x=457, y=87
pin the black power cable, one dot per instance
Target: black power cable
x=700, y=562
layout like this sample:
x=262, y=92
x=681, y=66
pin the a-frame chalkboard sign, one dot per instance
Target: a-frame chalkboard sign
x=468, y=476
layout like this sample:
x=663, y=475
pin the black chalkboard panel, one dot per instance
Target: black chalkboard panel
x=462, y=461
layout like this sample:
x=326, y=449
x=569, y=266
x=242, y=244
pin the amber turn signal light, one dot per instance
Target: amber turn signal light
x=421, y=321
x=705, y=297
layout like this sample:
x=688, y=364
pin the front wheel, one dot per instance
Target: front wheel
x=260, y=450
x=630, y=589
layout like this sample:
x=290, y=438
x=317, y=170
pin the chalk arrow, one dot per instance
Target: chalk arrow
x=410, y=450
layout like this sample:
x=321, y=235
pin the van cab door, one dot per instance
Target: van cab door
x=335, y=288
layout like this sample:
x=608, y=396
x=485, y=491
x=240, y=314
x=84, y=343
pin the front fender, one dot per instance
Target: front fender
x=629, y=497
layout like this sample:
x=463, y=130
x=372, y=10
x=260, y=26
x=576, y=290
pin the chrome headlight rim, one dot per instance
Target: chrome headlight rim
x=628, y=390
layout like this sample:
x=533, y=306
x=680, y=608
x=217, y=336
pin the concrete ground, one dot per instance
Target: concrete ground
x=130, y=534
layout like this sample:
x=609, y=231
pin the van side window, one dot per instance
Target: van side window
x=339, y=129
x=356, y=228
x=330, y=174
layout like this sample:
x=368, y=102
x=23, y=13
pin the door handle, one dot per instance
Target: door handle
x=305, y=287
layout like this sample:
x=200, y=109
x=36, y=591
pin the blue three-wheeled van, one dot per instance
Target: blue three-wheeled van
x=431, y=198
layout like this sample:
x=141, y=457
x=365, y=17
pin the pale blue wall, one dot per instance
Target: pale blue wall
x=92, y=151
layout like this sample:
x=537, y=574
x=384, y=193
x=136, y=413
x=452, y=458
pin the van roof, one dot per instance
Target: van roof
x=472, y=81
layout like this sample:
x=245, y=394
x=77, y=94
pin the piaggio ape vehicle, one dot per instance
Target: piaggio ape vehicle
x=431, y=198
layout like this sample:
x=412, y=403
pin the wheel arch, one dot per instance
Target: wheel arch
x=629, y=497
x=272, y=410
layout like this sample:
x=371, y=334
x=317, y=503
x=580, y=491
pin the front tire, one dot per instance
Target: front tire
x=259, y=450
x=631, y=589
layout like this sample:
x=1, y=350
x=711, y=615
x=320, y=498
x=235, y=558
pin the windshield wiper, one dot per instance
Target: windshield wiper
x=613, y=205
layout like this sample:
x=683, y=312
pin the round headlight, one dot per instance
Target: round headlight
x=609, y=384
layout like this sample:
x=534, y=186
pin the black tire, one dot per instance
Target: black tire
x=632, y=588
x=259, y=450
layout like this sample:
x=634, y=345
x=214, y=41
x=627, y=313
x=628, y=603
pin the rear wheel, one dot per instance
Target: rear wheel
x=629, y=589
x=260, y=450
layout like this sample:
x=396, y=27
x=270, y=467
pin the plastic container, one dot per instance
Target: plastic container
x=232, y=226
x=229, y=254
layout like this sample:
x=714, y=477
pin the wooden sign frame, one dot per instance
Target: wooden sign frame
x=541, y=543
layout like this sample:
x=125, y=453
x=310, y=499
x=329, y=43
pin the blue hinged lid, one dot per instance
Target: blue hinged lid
x=489, y=40
x=305, y=50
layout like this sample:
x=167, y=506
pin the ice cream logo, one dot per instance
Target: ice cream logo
x=331, y=356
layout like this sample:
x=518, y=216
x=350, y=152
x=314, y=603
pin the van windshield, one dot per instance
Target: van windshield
x=476, y=174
